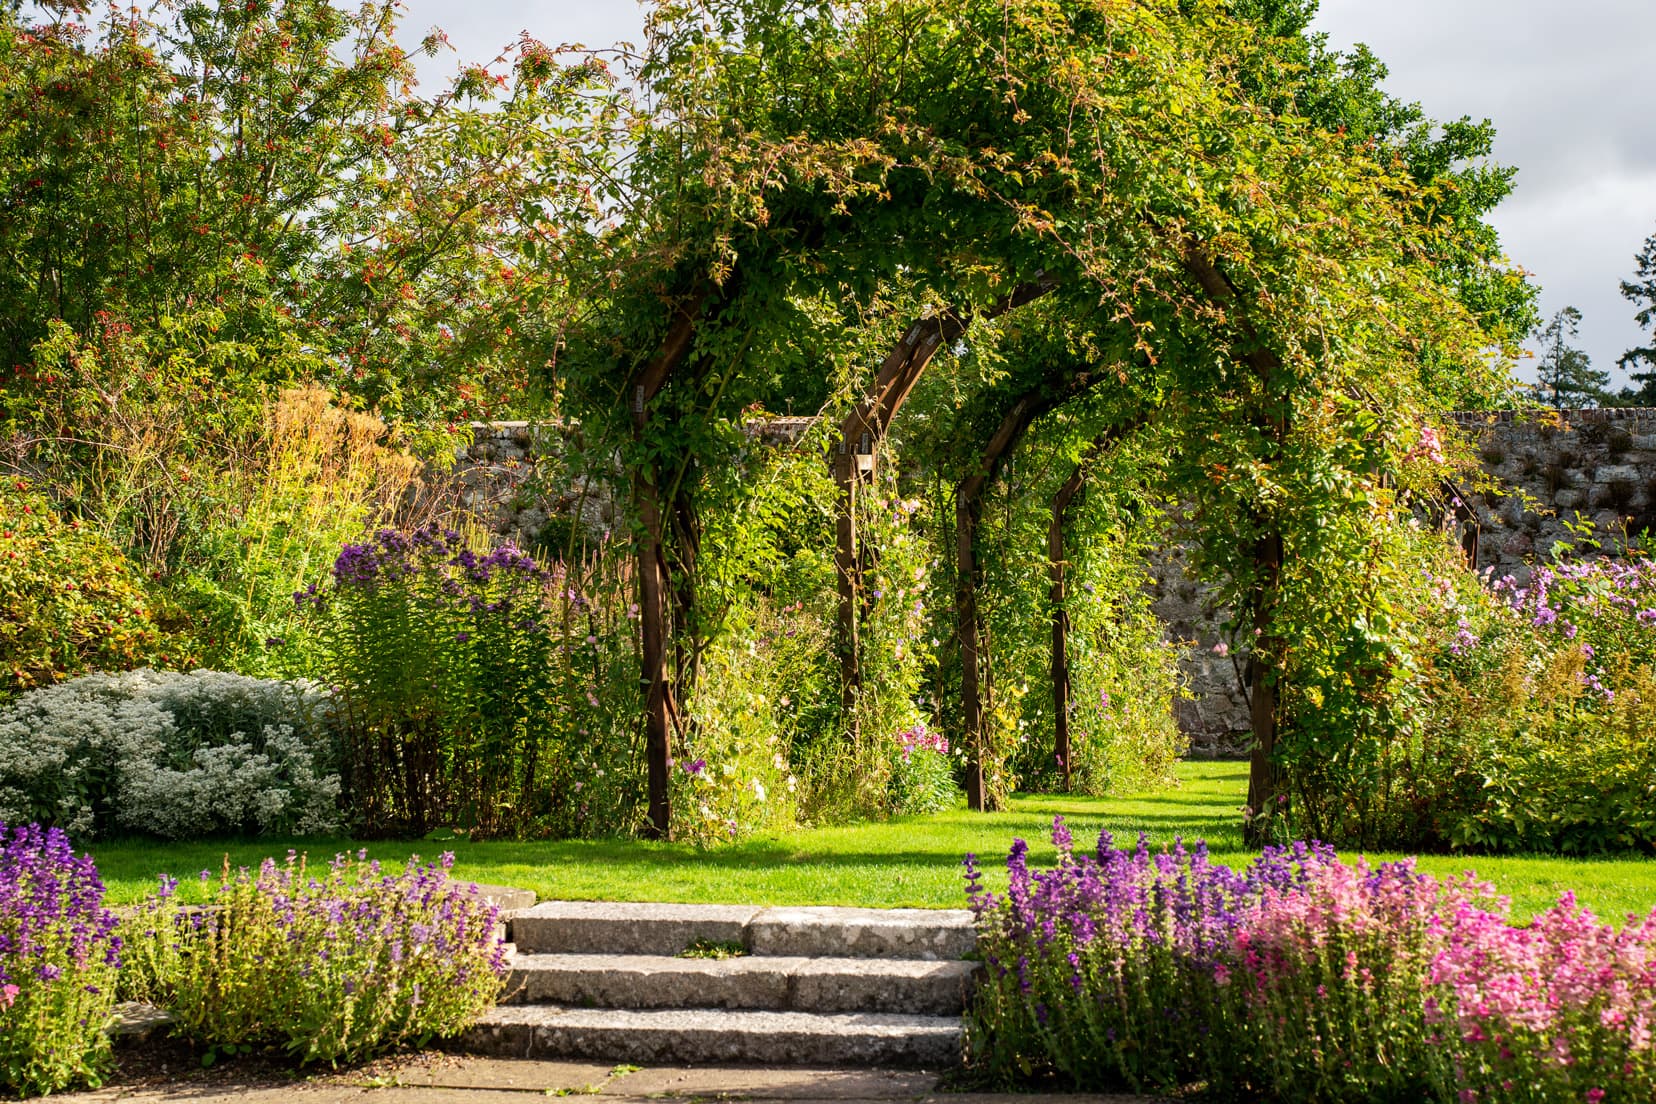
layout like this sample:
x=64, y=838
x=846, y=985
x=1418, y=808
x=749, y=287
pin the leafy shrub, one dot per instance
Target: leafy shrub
x=1123, y=674
x=171, y=754
x=228, y=492
x=69, y=601
x=1472, y=713
x=482, y=692
x=334, y=966
x=734, y=774
x=1558, y=696
x=1305, y=979
x=922, y=776
x=58, y=956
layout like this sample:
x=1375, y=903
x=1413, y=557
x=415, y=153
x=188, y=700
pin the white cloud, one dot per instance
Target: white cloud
x=1562, y=83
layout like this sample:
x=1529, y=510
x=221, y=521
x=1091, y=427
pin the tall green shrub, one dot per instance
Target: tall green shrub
x=481, y=692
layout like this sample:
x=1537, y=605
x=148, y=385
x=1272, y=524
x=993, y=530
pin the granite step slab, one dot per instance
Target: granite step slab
x=777, y=983
x=708, y=1037
x=597, y=927
x=864, y=933
x=604, y=927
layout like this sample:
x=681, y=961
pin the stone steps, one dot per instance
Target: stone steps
x=800, y=986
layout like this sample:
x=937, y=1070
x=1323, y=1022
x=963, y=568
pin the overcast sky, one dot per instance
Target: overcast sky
x=1567, y=83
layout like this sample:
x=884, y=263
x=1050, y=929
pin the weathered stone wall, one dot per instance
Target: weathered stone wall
x=1598, y=465
x=1553, y=465
x=1215, y=713
x=511, y=477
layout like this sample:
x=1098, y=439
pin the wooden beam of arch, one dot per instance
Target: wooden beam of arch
x=654, y=577
x=862, y=431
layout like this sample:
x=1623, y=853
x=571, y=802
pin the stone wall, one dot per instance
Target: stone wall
x=1556, y=466
x=511, y=477
x=1552, y=465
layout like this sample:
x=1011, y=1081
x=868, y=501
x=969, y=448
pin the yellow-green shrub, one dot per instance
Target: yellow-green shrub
x=69, y=601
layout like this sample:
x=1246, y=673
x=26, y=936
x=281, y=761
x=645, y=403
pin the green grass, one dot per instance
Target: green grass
x=911, y=862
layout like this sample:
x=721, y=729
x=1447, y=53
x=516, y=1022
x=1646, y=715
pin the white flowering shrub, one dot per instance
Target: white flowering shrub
x=170, y=754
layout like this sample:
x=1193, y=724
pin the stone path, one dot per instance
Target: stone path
x=445, y=1079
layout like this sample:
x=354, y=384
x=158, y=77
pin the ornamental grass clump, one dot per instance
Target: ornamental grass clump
x=332, y=964
x=58, y=955
x=1305, y=979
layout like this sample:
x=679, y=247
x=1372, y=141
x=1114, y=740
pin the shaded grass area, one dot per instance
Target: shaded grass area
x=908, y=862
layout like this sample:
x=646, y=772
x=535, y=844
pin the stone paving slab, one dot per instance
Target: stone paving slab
x=446, y=1079
x=625, y=928
x=674, y=1036
x=774, y=1084
x=517, y=1074
x=864, y=933
x=607, y=927
x=136, y=1021
x=650, y=981
x=508, y=899
x=305, y=1092
x=784, y=983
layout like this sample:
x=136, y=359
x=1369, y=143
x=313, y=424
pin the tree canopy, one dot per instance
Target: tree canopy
x=954, y=228
x=265, y=178
x=1294, y=295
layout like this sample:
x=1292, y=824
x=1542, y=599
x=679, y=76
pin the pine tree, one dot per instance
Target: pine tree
x=1567, y=378
x=1642, y=290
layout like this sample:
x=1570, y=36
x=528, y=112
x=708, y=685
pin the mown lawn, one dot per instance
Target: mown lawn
x=911, y=862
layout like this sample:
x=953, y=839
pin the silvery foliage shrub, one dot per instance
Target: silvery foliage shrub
x=171, y=754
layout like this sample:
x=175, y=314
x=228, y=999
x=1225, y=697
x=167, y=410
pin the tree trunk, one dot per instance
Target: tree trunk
x=1269, y=416
x=653, y=574
x=652, y=617
x=860, y=437
x=1057, y=563
x=848, y=577
x=967, y=512
x=1264, y=666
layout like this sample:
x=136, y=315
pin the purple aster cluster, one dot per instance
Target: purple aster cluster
x=58, y=954
x=393, y=555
